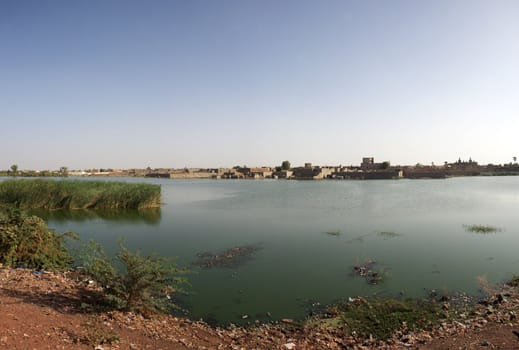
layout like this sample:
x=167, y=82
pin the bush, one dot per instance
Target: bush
x=26, y=240
x=144, y=284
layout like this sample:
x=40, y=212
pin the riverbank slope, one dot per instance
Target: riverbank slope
x=51, y=311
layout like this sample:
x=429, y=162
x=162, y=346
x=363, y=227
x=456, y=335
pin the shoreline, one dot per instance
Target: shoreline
x=60, y=298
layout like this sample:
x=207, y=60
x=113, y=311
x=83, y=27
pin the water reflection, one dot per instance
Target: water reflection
x=151, y=216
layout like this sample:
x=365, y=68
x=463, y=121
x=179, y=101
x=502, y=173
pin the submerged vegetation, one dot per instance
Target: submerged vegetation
x=481, y=228
x=231, y=257
x=367, y=270
x=76, y=194
x=148, y=215
x=334, y=233
x=389, y=234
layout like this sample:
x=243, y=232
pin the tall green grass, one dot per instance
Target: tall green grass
x=70, y=194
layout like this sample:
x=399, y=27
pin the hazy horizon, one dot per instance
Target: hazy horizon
x=132, y=84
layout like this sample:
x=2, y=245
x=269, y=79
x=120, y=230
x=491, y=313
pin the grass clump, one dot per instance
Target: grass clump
x=27, y=241
x=382, y=318
x=481, y=228
x=77, y=194
x=143, y=283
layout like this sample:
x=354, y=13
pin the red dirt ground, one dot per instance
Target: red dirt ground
x=43, y=311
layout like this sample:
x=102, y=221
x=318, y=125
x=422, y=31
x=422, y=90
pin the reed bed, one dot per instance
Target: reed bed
x=76, y=194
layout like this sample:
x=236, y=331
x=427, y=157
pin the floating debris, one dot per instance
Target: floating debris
x=334, y=233
x=231, y=257
x=368, y=272
x=359, y=238
x=481, y=228
x=389, y=234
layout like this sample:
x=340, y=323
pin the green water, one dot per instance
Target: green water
x=299, y=264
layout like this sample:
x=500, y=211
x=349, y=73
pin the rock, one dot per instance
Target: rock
x=287, y=320
x=244, y=317
x=290, y=346
x=484, y=343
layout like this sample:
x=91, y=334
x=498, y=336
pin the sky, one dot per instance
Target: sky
x=132, y=84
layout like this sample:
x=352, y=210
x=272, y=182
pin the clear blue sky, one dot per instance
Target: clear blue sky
x=101, y=83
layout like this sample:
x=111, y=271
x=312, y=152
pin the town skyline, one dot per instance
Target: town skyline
x=363, y=160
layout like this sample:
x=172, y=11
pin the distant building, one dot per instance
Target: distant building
x=368, y=163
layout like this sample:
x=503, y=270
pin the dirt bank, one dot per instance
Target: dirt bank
x=50, y=311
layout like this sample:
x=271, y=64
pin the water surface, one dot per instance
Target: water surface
x=299, y=264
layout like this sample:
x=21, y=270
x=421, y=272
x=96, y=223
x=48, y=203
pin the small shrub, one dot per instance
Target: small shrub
x=144, y=284
x=27, y=241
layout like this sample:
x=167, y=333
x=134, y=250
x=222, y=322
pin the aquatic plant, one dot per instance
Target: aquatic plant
x=231, y=257
x=147, y=215
x=481, y=228
x=389, y=234
x=334, y=233
x=367, y=270
x=75, y=194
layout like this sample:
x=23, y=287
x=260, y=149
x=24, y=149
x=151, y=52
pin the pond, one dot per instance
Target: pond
x=311, y=239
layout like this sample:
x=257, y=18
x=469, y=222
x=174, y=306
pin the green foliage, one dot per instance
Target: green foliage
x=27, y=240
x=385, y=165
x=76, y=194
x=285, y=165
x=14, y=169
x=63, y=171
x=381, y=318
x=144, y=283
